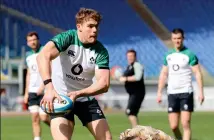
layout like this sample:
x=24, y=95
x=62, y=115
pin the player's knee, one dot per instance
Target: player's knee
x=186, y=124
x=35, y=118
x=174, y=127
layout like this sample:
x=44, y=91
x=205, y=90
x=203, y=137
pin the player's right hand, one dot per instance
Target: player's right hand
x=159, y=98
x=26, y=99
x=47, y=100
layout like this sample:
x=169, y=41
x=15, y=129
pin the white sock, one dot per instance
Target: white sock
x=37, y=138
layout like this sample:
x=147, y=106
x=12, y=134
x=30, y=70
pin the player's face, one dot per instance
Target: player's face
x=32, y=42
x=131, y=57
x=89, y=30
x=177, y=40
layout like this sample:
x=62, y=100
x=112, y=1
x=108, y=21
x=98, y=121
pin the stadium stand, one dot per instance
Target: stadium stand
x=119, y=30
x=198, y=24
x=122, y=28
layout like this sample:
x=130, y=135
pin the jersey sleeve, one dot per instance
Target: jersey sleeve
x=63, y=40
x=138, y=70
x=165, y=60
x=102, y=60
x=193, y=60
x=27, y=54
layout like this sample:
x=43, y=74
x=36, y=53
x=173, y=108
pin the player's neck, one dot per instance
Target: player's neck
x=36, y=49
x=178, y=49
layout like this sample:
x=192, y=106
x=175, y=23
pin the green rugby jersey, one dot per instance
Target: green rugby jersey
x=180, y=72
x=75, y=67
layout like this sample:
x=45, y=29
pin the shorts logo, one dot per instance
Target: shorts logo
x=99, y=112
x=127, y=111
x=185, y=106
x=170, y=109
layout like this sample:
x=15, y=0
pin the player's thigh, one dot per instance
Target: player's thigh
x=173, y=103
x=134, y=104
x=174, y=119
x=88, y=111
x=186, y=118
x=100, y=129
x=187, y=102
x=61, y=128
x=43, y=116
x=91, y=116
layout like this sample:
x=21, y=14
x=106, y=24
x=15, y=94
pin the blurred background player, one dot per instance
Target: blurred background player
x=178, y=66
x=134, y=85
x=76, y=58
x=34, y=88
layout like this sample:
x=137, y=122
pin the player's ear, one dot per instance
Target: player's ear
x=79, y=27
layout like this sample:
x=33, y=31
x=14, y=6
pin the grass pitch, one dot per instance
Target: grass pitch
x=19, y=128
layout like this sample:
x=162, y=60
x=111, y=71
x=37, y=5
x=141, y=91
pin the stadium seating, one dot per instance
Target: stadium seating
x=121, y=28
x=196, y=17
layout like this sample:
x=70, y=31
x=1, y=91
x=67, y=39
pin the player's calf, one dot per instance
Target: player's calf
x=36, y=126
x=185, y=121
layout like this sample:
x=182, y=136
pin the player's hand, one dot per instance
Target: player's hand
x=26, y=98
x=201, y=98
x=122, y=79
x=73, y=95
x=159, y=98
x=48, y=98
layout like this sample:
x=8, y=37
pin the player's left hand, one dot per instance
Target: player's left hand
x=201, y=98
x=73, y=95
x=122, y=79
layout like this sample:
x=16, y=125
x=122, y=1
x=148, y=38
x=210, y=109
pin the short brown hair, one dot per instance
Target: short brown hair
x=32, y=33
x=85, y=14
x=178, y=31
x=132, y=51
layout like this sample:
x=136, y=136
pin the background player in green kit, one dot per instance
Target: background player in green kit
x=76, y=57
x=179, y=63
x=34, y=89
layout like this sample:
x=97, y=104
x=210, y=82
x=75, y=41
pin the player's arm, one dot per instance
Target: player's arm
x=50, y=51
x=162, y=79
x=198, y=75
x=44, y=58
x=27, y=86
x=100, y=86
x=41, y=89
x=193, y=62
x=138, y=70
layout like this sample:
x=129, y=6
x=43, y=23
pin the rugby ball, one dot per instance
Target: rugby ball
x=60, y=107
x=116, y=72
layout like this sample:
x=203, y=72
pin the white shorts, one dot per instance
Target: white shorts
x=36, y=109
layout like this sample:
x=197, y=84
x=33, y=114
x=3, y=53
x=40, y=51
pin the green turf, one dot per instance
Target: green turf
x=19, y=128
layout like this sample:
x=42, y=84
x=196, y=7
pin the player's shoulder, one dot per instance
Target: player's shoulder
x=188, y=52
x=99, y=47
x=170, y=51
x=28, y=54
x=137, y=64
